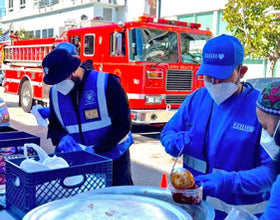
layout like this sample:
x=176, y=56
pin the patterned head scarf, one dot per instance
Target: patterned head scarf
x=269, y=99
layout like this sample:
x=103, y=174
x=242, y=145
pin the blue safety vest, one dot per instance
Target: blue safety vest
x=94, y=121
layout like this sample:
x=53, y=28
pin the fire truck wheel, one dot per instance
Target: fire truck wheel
x=25, y=98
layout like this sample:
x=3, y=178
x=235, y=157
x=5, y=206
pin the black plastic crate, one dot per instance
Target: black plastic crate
x=12, y=138
x=25, y=191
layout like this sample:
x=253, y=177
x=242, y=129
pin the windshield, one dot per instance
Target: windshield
x=153, y=45
x=191, y=47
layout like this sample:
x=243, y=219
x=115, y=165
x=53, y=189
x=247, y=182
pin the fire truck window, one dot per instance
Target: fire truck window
x=191, y=47
x=117, y=44
x=89, y=45
x=75, y=40
x=153, y=45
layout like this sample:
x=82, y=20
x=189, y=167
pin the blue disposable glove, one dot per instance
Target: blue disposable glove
x=182, y=139
x=45, y=112
x=68, y=144
x=214, y=183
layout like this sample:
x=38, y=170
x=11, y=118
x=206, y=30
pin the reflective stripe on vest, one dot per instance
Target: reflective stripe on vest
x=87, y=126
x=194, y=163
x=220, y=205
x=56, y=106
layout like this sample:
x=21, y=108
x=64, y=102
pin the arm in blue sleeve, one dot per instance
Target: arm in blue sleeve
x=174, y=135
x=272, y=207
x=259, y=179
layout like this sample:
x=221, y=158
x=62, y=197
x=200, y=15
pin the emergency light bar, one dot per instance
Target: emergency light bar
x=165, y=21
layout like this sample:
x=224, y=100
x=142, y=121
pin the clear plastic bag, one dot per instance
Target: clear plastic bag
x=45, y=162
x=40, y=120
x=239, y=214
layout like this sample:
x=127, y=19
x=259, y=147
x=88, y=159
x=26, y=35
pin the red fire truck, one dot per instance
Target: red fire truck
x=156, y=60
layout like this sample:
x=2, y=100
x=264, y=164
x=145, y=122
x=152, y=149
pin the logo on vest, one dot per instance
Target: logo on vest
x=242, y=127
x=90, y=97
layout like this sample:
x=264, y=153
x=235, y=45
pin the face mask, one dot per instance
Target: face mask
x=269, y=144
x=221, y=91
x=65, y=86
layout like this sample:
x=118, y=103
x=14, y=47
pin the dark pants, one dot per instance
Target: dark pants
x=122, y=170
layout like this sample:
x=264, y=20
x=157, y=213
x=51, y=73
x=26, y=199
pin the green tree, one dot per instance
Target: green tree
x=256, y=23
x=23, y=34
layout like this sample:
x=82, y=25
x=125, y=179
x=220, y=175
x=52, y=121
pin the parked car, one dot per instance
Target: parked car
x=260, y=83
x=4, y=114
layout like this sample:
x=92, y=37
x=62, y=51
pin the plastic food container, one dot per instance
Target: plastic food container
x=186, y=196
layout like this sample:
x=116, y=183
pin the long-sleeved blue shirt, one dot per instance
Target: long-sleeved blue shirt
x=223, y=137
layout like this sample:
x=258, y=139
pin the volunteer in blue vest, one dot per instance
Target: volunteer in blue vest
x=88, y=108
x=42, y=113
x=217, y=129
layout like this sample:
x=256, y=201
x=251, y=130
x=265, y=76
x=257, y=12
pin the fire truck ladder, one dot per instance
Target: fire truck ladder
x=26, y=55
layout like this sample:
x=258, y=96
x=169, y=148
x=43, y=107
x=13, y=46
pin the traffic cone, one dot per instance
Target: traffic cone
x=163, y=183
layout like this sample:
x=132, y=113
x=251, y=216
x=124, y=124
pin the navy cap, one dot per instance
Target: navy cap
x=220, y=56
x=58, y=65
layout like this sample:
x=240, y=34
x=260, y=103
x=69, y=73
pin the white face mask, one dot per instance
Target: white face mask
x=221, y=91
x=269, y=144
x=65, y=86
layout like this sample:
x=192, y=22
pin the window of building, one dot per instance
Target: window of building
x=30, y=33
x=107, y=14
x=89, y=44
x=50, y=32
x=206, y=20
x=38, y=33
x=187, y=18
x=221, y=29
x=11, y=5
x=22, y=4
x=45, y=3
x=44, y=33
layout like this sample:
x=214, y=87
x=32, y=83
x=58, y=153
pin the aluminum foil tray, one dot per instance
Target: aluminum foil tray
x=108, y=206
x=203, y=211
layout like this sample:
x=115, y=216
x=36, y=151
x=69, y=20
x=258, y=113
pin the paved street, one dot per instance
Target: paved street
x=149, y=160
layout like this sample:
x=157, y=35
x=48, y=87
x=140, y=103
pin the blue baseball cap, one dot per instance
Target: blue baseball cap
x=67, y=46
x=220, y=56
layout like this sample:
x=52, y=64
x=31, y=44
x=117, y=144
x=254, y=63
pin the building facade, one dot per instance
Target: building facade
x=2, y=11
x=49, y=18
